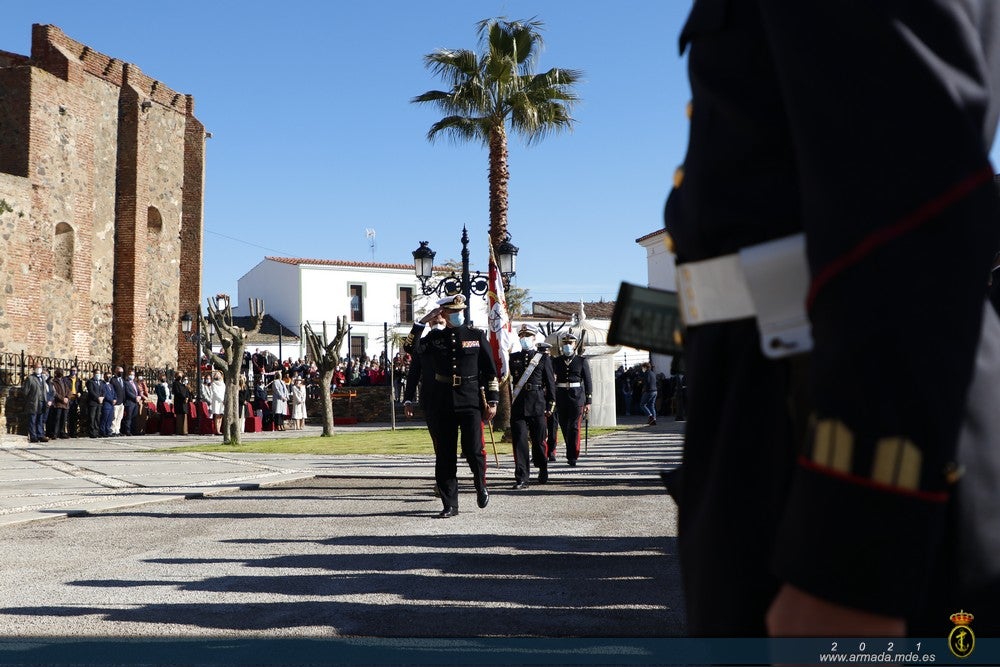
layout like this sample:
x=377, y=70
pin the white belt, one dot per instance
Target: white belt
x=567, y=385
x=769, y=281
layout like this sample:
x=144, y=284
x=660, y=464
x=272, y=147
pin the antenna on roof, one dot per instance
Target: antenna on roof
x=370, y=235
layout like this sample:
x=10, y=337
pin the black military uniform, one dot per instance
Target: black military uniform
x=551, y=420
x=420, y=374
x=532, y=378
x=573, y=395
x=463, y=368
x=868, y=130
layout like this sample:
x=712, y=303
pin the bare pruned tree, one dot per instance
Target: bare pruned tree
x=325, y=354
x=230, y=362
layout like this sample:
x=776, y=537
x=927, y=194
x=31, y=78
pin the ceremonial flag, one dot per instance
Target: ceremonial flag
x=500, y=329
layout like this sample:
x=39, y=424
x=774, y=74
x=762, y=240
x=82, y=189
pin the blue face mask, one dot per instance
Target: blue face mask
x=525, y=344
x=567, y=350
x=456, y=319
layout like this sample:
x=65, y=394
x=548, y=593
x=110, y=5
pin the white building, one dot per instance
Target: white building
x=371, y=296
x=661, y=270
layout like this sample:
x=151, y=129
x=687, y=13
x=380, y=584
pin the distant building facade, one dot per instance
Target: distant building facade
x=370, y=295
x=102, y=173
x=661, y=270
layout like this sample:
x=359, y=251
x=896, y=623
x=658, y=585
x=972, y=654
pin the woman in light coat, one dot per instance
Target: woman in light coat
x=298, y=404
x=279, y=402
x=217, y=400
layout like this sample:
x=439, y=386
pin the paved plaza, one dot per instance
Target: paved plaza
x=110, y=539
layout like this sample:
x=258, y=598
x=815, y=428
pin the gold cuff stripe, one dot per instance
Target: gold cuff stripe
x=897, y=463
x=833, y=445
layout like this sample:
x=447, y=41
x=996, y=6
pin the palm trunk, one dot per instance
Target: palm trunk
x=499, y=177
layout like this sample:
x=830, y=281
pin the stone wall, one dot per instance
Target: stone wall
x=370, y=405
x=104, y=168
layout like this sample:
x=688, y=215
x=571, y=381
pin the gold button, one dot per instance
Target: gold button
x=689, y=109
x=678, y=177
x=668, y=241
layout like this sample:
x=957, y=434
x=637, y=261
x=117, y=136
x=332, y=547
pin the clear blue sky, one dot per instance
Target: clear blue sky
x=315, y=140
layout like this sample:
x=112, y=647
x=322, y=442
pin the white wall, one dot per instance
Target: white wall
x=275, y=283
x=661, y=274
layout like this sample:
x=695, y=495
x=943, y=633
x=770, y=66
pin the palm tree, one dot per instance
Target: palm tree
x=495, y=87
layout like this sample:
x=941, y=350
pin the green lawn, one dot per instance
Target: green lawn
x=346, y=441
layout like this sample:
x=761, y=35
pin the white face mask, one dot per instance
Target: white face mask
x=131, y=377
x=38, y=371
x=567, y=350
x=525, y=344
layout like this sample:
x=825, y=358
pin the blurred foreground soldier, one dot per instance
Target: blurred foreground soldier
x=829, y=459
x=533, y=393
x=462, y=364
x=573, y=394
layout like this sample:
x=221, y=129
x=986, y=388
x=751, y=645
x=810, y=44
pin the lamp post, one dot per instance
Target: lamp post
x=197, y=339
x=467, y=285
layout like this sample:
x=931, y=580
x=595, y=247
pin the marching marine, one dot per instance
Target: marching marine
x=573, y=394
x=532, y=401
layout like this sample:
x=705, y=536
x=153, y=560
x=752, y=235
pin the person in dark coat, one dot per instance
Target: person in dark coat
x=533, y=399
x=464, y=375
x=34, y=391
x=839, y=155
x=108, y=407
x=182, y=396
x=95, y=400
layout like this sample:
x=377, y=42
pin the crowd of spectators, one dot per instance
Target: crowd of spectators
x=670, y=391
x=91, y=403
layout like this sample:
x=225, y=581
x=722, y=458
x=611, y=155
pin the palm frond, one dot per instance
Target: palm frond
x=461, y=128
x=453, y=66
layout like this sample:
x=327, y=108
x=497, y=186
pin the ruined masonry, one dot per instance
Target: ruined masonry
x=103, y=168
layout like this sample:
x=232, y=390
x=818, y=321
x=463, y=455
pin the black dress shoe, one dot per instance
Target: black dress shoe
x=572, y=462
x=543, y=476
x=520, y=485
x=552, y=457
x=447, y=513
x=482, y=497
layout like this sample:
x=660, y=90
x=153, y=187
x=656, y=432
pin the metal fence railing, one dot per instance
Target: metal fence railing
x=15, y=366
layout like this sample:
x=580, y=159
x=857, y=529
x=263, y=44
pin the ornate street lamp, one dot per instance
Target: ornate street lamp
x=465, y=284
x=507, y=259
x=197, y=339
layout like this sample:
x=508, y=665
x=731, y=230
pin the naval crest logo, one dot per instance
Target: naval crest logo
x=961, y=639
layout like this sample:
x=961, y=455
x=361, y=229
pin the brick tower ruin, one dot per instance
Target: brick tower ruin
x=103, y=168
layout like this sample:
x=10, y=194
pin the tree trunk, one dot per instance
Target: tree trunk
x=499, y=177
x=232, y=426
x=324, y=387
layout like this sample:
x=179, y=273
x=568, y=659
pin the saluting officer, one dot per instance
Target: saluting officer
x=533, y=392
x=464, y=373
x=573, y=394
x=421, y=373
